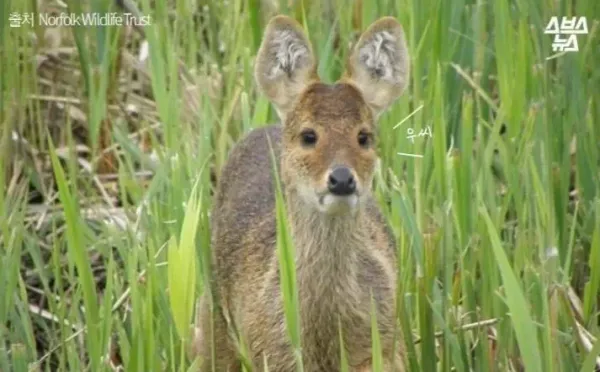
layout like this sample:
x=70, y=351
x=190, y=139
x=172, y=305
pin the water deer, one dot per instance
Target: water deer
x=325, y=150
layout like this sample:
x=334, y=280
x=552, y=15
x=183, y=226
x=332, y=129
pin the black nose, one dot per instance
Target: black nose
x=341, y=181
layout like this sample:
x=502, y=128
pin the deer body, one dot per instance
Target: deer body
x=345, y=254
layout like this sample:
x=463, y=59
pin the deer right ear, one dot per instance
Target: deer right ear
x=285, y=63
x=379, y=64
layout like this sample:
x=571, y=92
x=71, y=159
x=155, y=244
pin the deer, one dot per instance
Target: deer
x=324, y=148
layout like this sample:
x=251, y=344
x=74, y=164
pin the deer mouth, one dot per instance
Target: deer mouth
x=338, y=204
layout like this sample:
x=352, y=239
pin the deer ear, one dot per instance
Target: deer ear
x=379, y=64
x=285, y=63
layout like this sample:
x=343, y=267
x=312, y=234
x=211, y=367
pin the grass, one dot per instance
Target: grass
x=108, y=154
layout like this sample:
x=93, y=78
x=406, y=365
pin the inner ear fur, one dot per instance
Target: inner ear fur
x=285, y=63
x=379, y=64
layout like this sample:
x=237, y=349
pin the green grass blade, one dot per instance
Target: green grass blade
x=523, y=325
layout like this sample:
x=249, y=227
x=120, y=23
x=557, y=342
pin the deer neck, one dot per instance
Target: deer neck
x=325, y=245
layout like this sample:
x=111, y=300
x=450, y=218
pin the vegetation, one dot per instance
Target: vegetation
x=111, y=139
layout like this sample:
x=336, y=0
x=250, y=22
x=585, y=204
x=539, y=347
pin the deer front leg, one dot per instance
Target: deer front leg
x=388, y=366
x=202, y=343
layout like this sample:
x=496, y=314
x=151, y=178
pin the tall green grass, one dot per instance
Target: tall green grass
x=497, y=224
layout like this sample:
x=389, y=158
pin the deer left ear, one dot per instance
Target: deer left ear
x=285, y=64
x=379, y=64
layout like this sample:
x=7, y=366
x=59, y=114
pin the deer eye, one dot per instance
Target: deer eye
x=309, y=137
x=364, y=139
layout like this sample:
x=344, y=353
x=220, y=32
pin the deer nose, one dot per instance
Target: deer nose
x=341, y=181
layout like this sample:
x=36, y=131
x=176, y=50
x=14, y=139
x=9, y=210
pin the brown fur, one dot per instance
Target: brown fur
x=342, y=258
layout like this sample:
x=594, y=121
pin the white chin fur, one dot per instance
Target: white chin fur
x=329, y=203
x=338, y=204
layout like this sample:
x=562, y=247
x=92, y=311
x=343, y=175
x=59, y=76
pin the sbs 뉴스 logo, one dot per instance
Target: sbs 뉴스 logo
x=565, y=32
